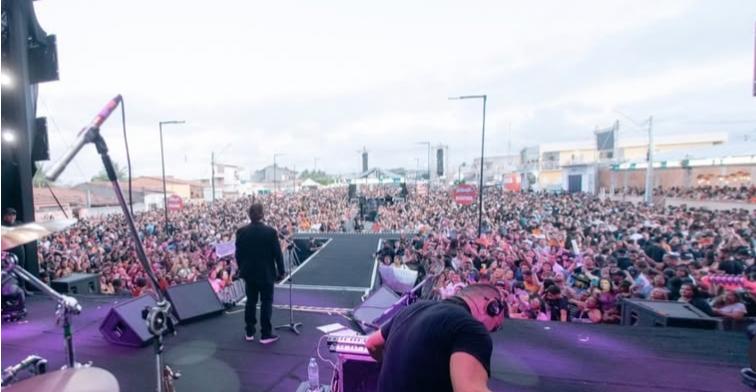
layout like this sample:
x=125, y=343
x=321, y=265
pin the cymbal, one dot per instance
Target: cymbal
x=13, y=236
x=84, y=379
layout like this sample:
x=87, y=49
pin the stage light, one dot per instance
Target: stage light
x=6, y=80
x=9, y=136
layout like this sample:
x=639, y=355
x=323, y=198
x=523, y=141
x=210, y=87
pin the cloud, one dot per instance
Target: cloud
x=325, y=79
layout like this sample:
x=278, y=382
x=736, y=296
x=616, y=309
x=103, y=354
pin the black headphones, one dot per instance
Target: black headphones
x=494, y=307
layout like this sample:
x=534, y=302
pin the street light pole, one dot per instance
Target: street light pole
x=648, y=197
x=482, y=155
x=162, y=160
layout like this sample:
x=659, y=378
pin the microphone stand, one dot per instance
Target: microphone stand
x=158, y=317
x=292, y=255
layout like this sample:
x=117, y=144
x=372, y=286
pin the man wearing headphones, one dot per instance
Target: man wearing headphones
x=440, y=346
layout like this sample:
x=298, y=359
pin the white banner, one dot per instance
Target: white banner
x=223, y=249
x=400, y=280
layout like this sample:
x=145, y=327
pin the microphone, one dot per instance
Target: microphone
x=84, y=137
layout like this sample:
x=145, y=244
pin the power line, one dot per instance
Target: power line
x=60, y=135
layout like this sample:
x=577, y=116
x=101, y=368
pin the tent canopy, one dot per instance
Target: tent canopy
x=310, y=183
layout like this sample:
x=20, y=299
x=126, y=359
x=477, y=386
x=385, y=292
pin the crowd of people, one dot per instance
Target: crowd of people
x=184, y=249
x=744, y=193
x=573, y=257
x=567, y=257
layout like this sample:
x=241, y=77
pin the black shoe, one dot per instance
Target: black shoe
x=268, y=339
x=249, y=338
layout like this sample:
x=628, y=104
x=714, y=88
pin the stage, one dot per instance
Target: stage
x=528, y=356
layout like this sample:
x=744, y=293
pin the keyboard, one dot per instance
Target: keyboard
x=348, y=344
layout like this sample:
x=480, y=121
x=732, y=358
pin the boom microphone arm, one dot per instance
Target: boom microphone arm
x=86, y=135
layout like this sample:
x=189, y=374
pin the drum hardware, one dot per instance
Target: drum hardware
x=36, y=365
x=67, y=306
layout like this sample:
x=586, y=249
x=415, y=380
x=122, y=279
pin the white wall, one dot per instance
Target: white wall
x=588, y=177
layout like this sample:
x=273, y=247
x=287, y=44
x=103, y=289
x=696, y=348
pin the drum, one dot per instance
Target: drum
x=87, y=379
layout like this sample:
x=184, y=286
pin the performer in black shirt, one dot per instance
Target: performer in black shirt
x=260, y=260
x=440, y=346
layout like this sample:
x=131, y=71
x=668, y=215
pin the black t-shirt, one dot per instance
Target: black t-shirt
x=702, y=305
x=556, y=305
x=732, y=267
x=655, y=252
x=420, y=341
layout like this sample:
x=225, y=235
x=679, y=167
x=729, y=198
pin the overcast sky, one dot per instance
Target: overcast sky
x=322, y=79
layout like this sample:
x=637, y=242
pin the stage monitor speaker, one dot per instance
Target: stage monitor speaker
x=194, y=301
x=77, y=283
x=124, y=324
x=40, y=145
x=352, y=191
x=646, y=313
x=359, y=373
x=372, y=310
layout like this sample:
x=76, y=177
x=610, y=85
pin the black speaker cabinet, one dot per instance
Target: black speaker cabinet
x=77, y=283
x=124, y=324
x=359, y=373
x=646, y=313
x=194, y=301
x=43, y=61
x=40, y=144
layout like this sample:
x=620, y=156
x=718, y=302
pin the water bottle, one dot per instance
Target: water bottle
x=313, y=376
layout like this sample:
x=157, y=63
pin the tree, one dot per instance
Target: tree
x=40, y=177
x=318, y=176
x=103, y=175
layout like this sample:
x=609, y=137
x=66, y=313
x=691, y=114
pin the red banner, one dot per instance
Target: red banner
x=175, y=203
x=464, y=194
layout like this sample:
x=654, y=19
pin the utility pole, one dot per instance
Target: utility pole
x=429, y=170
x=648, y=198
x=429, y=167
x=212, y=173
x=275, y=180
x=275, y=172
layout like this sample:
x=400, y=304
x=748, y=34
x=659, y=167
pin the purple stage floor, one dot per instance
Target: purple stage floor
x=528, y=356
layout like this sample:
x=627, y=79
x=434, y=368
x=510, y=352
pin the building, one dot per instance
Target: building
x=228, y=182
x=574, y=166
x=377, y=176
x=496, y=170
x=184, y=188
x=728, y=164
x=100, y=193
x=273, y=174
